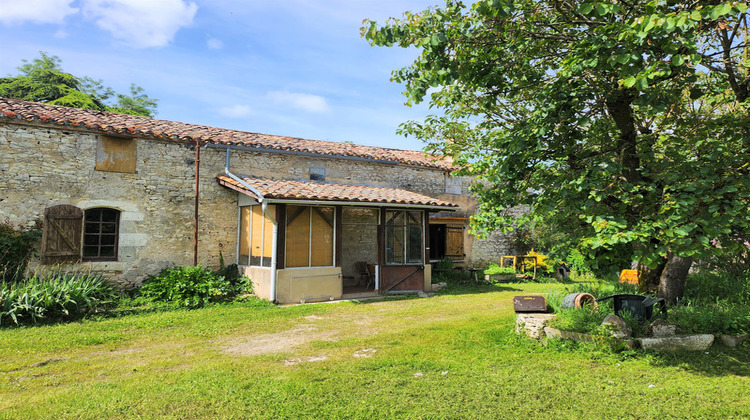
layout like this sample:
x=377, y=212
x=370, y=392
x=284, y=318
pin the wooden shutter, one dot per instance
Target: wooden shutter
x=454, y=242
x=61, y=237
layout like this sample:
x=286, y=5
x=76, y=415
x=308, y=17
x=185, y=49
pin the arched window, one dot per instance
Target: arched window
x=101, y=229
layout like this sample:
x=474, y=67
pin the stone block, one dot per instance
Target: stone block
x=620, y=328
x=734, y=340
x=696, y=342
x=533, y=324
x=661, y=328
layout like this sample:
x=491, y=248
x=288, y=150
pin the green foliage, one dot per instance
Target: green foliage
x=719, y=317
x=444, y=264
x=191, y=287
x=16, y=248
x=706, y=286
x=583, y=320
x=626, y=126
x=53, y=296
x=496, y=269
x=43, y=80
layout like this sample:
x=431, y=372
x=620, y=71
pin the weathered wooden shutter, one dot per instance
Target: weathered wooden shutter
x=454, y=242
x=61, y=237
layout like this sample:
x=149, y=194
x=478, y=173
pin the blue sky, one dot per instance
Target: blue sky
x=287, y=67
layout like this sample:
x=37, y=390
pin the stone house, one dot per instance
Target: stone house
x=304, y=219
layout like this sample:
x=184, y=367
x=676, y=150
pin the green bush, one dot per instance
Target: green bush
x=52, y=297
x=16, y=248
x=191, y=287
x=496, y=269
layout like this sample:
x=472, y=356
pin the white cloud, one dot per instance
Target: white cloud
x=236, y=111
x=303, y=101
x=39, y=11
x=214, y=44
x=141, y=23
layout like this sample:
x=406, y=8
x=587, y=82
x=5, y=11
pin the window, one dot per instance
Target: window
x=100, y=234
x=309, y=236
x=65, y=226
x=115, y=154
x=256, y=236
x=403, y=237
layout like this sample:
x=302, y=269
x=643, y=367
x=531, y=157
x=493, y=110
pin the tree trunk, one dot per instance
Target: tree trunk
x=648, y=279
x=673, y=278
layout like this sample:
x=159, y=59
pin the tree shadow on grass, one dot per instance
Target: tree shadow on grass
x=718, y=360
x=472, y=288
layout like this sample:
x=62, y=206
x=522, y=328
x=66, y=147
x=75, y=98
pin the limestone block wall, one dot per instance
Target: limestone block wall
x=42, y=167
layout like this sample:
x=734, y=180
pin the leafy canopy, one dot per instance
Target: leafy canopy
x=620, y=123
x=43, y=80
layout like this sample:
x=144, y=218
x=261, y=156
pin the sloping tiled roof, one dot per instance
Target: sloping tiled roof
x=317, y=191
x=12, y=110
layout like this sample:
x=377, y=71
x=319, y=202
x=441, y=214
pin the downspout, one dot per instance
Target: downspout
x=197, y=178
x=267, y=213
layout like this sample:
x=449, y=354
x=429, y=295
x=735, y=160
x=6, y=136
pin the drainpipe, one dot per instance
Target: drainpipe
x=267, y=213
x=197, y=177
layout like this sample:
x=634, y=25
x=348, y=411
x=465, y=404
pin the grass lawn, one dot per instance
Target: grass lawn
x=454, y=355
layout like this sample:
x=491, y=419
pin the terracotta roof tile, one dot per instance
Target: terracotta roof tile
x=317, y=191
x=12, y=110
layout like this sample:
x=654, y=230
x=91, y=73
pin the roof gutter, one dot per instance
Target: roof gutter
x=264, y=206
x=362, y=204
x=323, y=155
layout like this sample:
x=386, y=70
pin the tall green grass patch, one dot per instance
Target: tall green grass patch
x=53, y=296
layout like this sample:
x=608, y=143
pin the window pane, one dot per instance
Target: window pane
x=322, y=237
x=394, y=217
x=298, y=236
x=109, y=227
x=100, y=234
x=109, y=215
x=256, y=232
x=92, y=227
x=394, y=245
x=414, y=246
x=268, y=236
x=415, y=218
x=245, y=215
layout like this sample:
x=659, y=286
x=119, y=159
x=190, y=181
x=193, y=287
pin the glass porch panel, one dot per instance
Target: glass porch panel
x=414, y=245
x=298, y=236
x=267, y=251
x=245, y=215
x=321, y=253
x=394, y=244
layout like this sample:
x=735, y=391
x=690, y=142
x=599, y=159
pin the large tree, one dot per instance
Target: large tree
x=43, y=80
x=622, y=123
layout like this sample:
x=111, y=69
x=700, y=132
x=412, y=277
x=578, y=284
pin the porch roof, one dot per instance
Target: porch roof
x=294, y=191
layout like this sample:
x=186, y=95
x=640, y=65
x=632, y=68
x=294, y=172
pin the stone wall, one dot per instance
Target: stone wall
x=42, y=167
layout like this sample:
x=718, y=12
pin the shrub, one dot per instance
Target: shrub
x=190, y=287
x=52, y=297
x=16, y=248
x=496, y=269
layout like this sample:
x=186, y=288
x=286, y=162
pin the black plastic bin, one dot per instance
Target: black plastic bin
x=642, y=307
